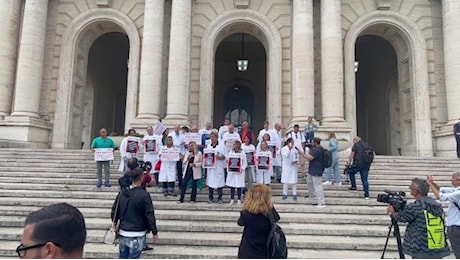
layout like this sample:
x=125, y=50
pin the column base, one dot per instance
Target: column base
x=25, y=114
x=171, y=120
x=444, y=141
x=24, y=132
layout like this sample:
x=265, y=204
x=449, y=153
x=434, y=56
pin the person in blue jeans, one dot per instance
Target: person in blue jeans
x=358, y=165
x=334, y=149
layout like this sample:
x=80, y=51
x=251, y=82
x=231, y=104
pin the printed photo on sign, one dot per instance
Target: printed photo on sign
x=263, y=163
x=150, y=146
x=131, y=146
x=234, y=162
x=250, y=158
x=272, y=147
x=209, y=158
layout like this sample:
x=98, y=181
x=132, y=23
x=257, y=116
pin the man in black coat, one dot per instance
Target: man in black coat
x=136, y=215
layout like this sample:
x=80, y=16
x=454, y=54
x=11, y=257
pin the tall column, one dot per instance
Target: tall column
x=10, y=11
x=30, y=59
x=302, y=62
x=331, y=62
x=179, y=63
x=151, y=62
x=451, y=32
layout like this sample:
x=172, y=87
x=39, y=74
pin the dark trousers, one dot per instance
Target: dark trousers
x=179, y=173
x=232, y=193
x=453, y=232
x=156, y=174
x=457, y=138
x=364, y=172
x=219, y=194
x=168, y=187
x=188, y=176
x=309, y=137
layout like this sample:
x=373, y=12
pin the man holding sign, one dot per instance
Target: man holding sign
x=102, y=148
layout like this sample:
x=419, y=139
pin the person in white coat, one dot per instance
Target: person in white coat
x=215, y=177
x=129, y=148
x=277, y=137
x=264, y=164
x=152, y=145
x=250, y=151
x=289, y=172
x=168, y=171
x=236, y=165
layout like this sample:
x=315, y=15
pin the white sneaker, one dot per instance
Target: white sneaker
x=366, y=198
x=320, y=206
x=238, y=202
x=327, y=183
x=231, y=203
x=338, y=184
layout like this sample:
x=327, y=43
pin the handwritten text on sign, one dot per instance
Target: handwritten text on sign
x=170, y=154
x=103, y=154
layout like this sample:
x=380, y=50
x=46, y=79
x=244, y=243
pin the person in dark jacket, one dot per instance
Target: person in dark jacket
x=359, y=165
x=254, y=217
x=416, y=242
x=136, y=215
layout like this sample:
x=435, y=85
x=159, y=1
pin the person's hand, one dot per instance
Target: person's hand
x=390, y=211
x=430, y=179
x=155, y=238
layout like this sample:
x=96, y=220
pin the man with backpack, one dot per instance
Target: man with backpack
x=315, y=171
x=360, y=159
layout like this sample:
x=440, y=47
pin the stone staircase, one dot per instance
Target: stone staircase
x=350, y=227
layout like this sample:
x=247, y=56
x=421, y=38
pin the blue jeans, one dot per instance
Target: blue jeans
x=334, y=168
x=364, y=172
x=131, y=247
x=277, y=172
x=309, y=137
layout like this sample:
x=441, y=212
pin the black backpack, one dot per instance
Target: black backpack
x=327, y=158
x=368, y=154
x=276, y=242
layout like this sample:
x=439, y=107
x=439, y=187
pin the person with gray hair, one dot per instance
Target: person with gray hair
x=425, y=236
x=55, y=231
x=452, y=195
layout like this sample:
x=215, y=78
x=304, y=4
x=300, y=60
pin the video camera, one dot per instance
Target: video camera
x=393, y=198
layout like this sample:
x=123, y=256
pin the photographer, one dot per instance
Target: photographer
x=451, y=194
x=425, y=218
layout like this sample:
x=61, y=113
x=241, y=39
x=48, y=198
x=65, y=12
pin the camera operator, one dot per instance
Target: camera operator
x=424, y=236
x=451, y=194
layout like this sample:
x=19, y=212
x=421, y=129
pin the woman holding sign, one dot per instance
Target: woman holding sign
x=169, y=157
x=249, y=150
x=214, y=162
x=236, y=165
x=192, y=171
x=289, y=175
x=264, y=164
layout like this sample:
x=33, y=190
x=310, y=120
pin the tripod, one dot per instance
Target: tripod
x=397, y=235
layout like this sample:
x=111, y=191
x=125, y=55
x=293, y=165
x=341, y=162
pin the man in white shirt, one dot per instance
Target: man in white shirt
x=206, y=134
x=299, y=143
x=224, y=129
x=178, y=142
x=276, y=137
x=263, y=131
x=230, y=137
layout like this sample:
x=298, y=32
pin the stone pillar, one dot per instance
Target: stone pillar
x=302, y=62
x=10, y=11
x=331, y=62
x=451, y=32
x=30, y=59
x=179, y=63
x=151, y=62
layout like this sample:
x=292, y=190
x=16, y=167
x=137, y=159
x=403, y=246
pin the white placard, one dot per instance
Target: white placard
x=192, y=137
x=159, y=128
x=170, y=154
x=103, y=154
x=209, y=158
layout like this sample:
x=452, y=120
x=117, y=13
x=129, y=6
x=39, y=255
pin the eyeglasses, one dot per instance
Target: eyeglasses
x=21, y=250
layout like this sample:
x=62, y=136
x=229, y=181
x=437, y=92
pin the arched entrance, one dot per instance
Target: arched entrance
x=107, y=74
x=377, y=94
x=240, y=94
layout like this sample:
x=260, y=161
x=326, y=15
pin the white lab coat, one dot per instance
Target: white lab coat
x=264, y=176
x=168, y=171
x=152, y=156
x=235, y=179
x=215, y=177
x=289, y=173
x=247, y=149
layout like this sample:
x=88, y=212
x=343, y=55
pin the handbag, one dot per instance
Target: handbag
x=111, y=235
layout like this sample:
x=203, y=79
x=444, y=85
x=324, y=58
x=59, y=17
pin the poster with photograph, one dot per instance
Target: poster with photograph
x=263, y=160
x=103, y=154
x=250, y=158
x=132, y=144
x=192, y=137
x=209, y=158
x=150, y=146
x=272, y=147
x=170, y=154
x=234, y=162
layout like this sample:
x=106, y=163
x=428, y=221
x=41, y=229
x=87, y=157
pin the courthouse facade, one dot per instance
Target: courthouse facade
x=387, y=70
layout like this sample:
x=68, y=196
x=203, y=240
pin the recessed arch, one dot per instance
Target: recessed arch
x=410, y=34
x=241, y=21
x=82, y=31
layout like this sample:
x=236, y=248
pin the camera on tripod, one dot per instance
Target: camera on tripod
x=393, y=198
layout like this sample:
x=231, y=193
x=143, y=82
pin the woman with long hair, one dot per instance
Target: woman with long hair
x=215, y=176
x=249, y=150
x=255, y=219
x=289, y=175
x=192, y=171
x=237, y=165
x=264, y=160
x=334, y=149
x=168, y=171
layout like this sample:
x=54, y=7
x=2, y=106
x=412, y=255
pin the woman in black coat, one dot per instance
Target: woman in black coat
x=254, y=218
